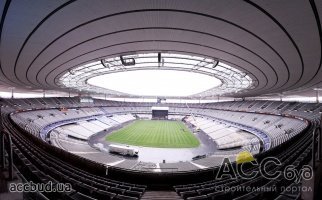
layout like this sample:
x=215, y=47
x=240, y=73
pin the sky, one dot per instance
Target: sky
x=156, y=82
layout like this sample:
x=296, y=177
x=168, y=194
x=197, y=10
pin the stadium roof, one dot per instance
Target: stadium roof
x=275, y=45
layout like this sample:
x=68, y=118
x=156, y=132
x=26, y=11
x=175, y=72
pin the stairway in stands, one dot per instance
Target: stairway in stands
x=161, y=195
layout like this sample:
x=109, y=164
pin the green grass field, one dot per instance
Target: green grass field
x=155, y=133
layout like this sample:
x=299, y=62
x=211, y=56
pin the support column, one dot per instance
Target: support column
x=1, y=123
x=2, y=163
x=1, y=141
x=320, y=140
x=313, y=149
x=319, y=144
x=10, y=157
x=317, y=96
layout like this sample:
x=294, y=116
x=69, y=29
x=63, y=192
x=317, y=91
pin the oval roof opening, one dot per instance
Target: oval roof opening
x=156, y=82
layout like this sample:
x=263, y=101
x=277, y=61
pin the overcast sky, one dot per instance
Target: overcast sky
x=156, y=82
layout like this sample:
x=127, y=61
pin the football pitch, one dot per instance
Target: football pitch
x=155, y=133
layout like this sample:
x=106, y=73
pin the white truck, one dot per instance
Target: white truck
x=124, y=150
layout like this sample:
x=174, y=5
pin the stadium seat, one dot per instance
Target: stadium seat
x=100, y=194
x=124, y=197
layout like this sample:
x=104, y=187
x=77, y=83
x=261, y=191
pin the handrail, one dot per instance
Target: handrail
x=10, y=157
x=3, y=135
x=7, y=135
x=316, y=145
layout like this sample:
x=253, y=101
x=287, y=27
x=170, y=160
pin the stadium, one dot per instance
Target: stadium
x=160, y=99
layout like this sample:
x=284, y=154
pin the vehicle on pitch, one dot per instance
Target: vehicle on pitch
x=123, y=150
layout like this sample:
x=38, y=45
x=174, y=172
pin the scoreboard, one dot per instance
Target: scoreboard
x=160, y=112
